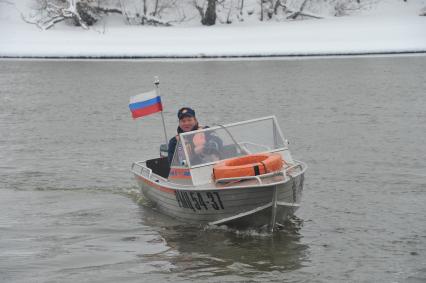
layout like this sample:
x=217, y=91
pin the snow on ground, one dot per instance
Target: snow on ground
x=392, y=27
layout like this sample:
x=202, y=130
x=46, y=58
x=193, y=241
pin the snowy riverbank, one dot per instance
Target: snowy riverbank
x=392, y=28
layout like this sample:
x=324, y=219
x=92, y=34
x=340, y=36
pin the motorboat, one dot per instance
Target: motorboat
x=244, y=176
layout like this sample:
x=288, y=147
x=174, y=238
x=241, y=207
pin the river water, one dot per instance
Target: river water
x=70, y=210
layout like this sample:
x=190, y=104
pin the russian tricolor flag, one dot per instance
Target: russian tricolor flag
x=145, y=104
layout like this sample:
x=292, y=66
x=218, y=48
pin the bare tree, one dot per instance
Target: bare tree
x=297, y=13
x=85, y=13
x=210, y=14
x=54, y=11
x=208, y=17
x=270, y=8
x=155, y=8
x=294, y=14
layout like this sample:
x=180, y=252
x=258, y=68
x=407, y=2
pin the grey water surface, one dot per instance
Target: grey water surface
x=70, y=210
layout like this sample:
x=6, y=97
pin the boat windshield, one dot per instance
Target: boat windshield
x=228, y=141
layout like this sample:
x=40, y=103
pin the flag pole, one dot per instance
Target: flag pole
x=157, y=90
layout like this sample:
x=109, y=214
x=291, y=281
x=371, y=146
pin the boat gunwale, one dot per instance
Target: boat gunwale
x=165, y=183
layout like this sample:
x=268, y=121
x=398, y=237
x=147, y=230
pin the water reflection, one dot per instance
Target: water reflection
x=200, y=251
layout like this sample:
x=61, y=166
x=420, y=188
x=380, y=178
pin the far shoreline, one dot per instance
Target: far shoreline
x=219, y=57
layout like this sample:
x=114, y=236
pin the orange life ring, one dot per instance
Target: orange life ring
x=250, y=165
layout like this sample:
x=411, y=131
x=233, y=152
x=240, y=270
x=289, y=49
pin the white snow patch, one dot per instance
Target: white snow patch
x=393, y=26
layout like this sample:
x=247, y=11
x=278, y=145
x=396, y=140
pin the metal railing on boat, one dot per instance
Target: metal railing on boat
x=147, y=173
x=259, y=178
x=143, y=169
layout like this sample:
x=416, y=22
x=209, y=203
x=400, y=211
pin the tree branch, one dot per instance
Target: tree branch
x=47, y=25
x=30, y=22
x=199, y=8
x=294, y=14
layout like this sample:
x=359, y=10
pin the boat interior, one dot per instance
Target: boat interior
x=224, y=142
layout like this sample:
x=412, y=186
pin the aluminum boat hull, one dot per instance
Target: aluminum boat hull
x=239, y=205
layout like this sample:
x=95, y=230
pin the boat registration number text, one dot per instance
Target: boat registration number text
x=199, y=201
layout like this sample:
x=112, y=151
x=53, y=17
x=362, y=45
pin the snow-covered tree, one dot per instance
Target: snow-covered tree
x=49, y=12
x=86, y=13
x=207, y=10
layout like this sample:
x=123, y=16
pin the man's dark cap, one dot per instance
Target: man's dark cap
x=185, y=112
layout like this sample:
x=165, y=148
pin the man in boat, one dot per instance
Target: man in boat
x=200, y=145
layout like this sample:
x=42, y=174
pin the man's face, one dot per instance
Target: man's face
x=187, y=123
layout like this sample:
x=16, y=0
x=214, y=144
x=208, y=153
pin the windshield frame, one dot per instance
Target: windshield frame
x=273, y=118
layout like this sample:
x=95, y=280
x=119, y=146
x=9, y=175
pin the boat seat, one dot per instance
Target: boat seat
x=159, y=166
